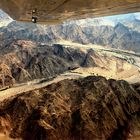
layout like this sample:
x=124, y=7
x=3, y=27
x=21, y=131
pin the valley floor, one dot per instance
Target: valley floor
x=131, y=75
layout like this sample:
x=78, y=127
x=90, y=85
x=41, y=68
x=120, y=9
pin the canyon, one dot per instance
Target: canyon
x=73, y=81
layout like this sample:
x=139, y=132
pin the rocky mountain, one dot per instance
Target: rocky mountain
x=26, y=60
x=92, y=108
x=121, y=32
x=23, y=61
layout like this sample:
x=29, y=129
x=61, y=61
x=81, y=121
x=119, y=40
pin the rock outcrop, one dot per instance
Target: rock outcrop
x=92, y=108
x=6, y=78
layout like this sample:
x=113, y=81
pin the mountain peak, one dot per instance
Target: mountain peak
x=4, y=19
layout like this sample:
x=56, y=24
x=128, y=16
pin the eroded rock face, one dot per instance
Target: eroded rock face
x=91, y=108
x=6, y=78
x=28, y=60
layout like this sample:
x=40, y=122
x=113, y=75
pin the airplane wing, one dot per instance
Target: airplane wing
x=54, y=11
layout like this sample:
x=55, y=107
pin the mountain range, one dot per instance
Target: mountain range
x=23, y=61
x=121, y=32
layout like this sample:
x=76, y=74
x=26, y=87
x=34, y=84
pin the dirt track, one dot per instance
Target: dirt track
x=32, y=86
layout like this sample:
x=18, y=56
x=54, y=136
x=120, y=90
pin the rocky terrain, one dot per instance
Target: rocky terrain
x=6, y=78
x=31, y=51
x=92, y=108
x=28, y=60
x=23, y=61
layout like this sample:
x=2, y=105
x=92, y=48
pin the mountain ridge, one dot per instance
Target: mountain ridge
x=80, y=109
